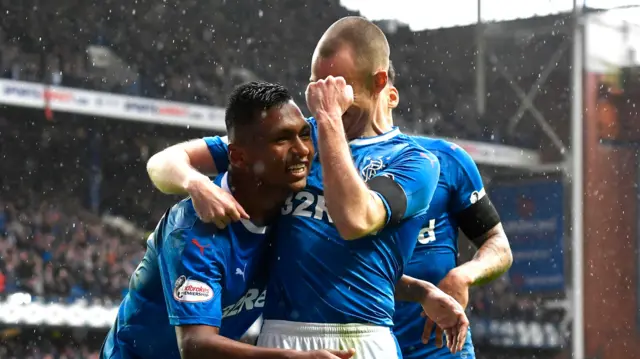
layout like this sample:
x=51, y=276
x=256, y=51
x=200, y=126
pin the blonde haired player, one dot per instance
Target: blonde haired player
x=344, y=240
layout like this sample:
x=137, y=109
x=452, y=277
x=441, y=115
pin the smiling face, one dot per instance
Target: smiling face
x=269, y=138
x=277, y=149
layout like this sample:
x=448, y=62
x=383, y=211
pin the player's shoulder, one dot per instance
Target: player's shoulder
x=394, y=141
x=183, y=226
x=393, y=146
x=183, y=215
x=432, y=144
x=407, y=145
x=449, y=153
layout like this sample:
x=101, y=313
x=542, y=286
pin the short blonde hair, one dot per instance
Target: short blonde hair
x=367, y=42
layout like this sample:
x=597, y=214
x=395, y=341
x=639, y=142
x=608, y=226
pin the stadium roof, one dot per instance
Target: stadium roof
x=425, y=14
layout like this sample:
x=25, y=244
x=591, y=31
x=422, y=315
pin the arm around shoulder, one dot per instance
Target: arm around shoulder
x=172, y=170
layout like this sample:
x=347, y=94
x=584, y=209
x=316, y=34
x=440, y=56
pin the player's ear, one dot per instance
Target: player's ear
x=237, y=157
x=380, y=80
x=394, y=97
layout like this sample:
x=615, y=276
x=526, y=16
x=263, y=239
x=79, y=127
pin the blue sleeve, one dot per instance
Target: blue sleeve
x=467, y=183
x=192, y=271
x=314, y=131
x=218, y=147
x=416, y=171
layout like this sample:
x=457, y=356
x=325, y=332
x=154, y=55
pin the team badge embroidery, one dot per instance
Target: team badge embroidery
x=371, y=169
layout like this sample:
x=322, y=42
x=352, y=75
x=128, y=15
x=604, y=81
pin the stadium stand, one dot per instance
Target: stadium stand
x=48, y=344
x=58, y=242
x=76, y=205
x=198, y=51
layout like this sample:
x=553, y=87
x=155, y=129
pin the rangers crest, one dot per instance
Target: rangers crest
x=370, y=170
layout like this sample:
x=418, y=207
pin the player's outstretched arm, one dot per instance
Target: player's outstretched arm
x=442, y=310
x=358, y=208
x=180, y=169
x=200, y=341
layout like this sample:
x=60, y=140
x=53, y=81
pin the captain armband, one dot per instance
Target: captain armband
x=393, y=194
x=477, y=219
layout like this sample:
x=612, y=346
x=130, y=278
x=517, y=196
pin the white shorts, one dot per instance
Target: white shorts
x=369, y=341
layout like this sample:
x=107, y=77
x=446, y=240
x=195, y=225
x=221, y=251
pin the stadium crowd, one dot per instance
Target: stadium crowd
x=55, y=242
x=46, y=347
x=197, y=51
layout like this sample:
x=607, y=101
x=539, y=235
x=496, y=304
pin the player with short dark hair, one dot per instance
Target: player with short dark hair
x=199, y=288
x=345, y=238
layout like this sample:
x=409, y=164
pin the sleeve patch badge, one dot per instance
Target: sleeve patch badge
x=191, y=291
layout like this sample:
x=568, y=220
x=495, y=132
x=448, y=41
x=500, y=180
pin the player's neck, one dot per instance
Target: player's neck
x=382, y=123
x=261, y=202
x=378, y=124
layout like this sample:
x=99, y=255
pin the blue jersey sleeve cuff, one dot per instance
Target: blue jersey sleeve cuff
x=386, y=206
x=209, y=321
x=219, y=152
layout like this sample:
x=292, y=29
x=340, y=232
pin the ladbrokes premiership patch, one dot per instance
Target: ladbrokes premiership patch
x=191, y=291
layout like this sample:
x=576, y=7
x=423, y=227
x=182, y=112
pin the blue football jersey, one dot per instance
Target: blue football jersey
x=459, y=186
x=191, y=274
x=317, y=276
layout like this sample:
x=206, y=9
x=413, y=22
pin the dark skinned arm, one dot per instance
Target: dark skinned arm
x=201, y=341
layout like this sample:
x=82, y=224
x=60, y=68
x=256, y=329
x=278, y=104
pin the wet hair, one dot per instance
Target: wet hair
x=247, y=104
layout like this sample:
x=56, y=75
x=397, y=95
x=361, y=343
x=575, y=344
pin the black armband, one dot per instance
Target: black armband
x=391, y=191
x=477, y=219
